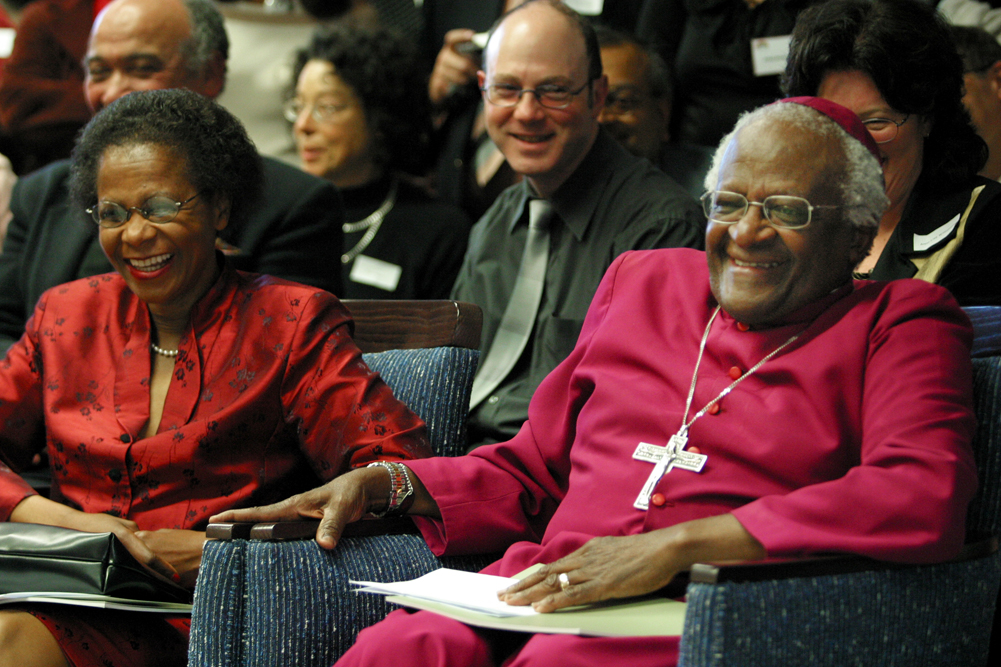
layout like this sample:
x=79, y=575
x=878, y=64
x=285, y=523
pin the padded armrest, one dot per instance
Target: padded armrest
x=819, y=566
x=986, y=322
x=384, y=324
x=306, y=529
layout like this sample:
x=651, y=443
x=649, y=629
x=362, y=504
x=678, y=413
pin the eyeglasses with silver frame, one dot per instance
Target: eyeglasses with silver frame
x=549, y=96
x=158, y=210
x=884, y=130
x=781, y=211
x=321, y=113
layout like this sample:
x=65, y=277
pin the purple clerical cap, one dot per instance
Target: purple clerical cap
x=843, y=116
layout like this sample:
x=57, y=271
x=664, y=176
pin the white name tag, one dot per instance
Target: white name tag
x=375, y=272
x=769, y=54
x=6, y=42
x=586, y=7
x=924, y=241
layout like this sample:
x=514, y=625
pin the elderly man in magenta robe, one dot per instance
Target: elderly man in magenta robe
x=805, y=413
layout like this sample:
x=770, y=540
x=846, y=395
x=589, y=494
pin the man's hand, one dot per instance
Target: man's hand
x=341, y=501
x=452, y=69
x=617, y=567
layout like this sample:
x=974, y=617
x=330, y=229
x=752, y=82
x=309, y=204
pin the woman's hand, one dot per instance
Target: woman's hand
x=617, y=567
x=182, y=549
x=36, y=509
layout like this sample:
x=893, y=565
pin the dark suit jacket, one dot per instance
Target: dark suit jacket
x=293, y=232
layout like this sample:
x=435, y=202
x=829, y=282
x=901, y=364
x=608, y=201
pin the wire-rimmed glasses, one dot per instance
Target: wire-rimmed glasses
x=781, y=211
x=158, y=210
x=321, y=113
x=884, y=130
x=549, y=96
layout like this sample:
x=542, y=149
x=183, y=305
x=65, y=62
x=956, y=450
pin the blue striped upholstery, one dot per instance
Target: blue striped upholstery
x=930, y=615
x=434, y=383
x=921, y=616
x=289, y=603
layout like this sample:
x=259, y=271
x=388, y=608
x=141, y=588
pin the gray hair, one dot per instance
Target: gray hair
x=862, y=191
x=208, y=36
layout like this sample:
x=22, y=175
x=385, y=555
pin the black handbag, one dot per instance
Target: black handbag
x=39, y=558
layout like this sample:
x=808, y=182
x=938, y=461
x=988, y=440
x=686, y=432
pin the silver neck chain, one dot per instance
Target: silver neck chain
x=695, y=375
x=370, y=223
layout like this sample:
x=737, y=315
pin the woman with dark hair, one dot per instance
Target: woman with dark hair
x=894, y=64
x=361, y=119
x=178, y=386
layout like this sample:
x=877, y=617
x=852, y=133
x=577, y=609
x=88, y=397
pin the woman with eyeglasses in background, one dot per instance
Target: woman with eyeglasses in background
x=893, y=62
x=175, y=387
x=361, y=119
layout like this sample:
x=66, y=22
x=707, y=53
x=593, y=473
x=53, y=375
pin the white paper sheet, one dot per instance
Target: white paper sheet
x=469, y=590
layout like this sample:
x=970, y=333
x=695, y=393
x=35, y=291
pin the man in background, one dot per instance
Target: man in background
x=294, y=231
x=638, y=109
x=543, y=92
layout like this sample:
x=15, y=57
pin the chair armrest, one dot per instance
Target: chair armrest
x=306, y=529
x=382, y=324
x=871, y=613
x=986, y=322
x=817, y=566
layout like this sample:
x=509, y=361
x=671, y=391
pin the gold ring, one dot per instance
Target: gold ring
x=564, y=580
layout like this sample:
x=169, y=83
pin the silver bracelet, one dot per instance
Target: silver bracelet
x=401, y=490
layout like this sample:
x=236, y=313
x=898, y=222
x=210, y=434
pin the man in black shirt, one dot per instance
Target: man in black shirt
x=544, y=91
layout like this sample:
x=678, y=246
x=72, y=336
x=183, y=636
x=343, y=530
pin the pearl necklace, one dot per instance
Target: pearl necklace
x=162, y=352
x=370, y=223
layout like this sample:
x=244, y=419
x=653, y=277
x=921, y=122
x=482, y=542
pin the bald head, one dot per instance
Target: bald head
x=539, y=46
x=154, y=44
x=579, y=26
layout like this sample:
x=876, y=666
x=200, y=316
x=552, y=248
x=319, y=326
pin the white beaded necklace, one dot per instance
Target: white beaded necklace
x=162, y=352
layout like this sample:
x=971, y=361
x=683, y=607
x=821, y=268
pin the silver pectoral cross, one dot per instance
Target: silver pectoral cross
x=665, y=459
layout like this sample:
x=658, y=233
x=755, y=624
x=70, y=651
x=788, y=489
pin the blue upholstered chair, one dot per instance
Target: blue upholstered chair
x=285, y=603
x=854, y=611
x=278, y=603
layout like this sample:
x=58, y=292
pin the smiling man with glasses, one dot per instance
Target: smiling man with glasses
x=748, y=402
x=543, y=92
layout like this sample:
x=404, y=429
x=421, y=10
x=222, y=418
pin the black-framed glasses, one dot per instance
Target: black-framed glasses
x=158, y=209
x=781, y=211
x=549, y=96
x=884, y=130
x=321, y=113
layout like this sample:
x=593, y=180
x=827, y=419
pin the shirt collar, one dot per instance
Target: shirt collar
x=577, y=198
x=810, y=311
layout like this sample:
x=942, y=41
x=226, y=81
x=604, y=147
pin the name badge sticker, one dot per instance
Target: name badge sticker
x=586, y=7
x=375, y=272
x=924, y=241
x=769, y=54
x=6, y=42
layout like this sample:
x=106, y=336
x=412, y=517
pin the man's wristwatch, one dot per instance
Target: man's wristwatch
x=401, y=494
